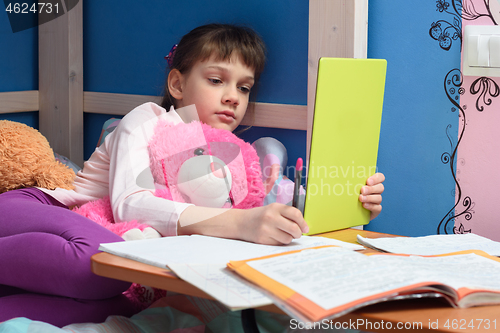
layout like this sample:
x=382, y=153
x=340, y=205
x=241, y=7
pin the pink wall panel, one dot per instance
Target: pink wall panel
x=478, y=157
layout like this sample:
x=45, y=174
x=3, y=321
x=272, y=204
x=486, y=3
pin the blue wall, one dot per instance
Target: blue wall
x=419, y=187
x=124, y=46
x=18, y=65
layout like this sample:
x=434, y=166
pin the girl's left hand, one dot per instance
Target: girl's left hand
x=371, y=194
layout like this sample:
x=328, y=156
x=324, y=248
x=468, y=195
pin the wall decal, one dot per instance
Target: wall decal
x=484, y=86
x=486, y=89
x=453, y=89
x=445, y=32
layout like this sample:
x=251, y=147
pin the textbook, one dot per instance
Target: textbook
x=327, y=282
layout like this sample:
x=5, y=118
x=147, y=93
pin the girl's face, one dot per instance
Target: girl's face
x=220, y=91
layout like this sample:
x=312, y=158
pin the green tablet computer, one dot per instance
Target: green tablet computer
x=344, y=142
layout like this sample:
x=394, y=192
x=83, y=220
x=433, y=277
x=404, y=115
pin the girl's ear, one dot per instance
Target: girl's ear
x=175, y=81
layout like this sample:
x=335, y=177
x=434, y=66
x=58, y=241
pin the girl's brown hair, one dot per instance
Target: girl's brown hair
x=219, y=40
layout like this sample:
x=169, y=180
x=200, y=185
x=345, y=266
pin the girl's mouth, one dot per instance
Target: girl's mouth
x=226, y=116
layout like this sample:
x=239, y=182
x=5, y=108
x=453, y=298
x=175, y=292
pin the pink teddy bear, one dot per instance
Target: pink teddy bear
x=192, y=163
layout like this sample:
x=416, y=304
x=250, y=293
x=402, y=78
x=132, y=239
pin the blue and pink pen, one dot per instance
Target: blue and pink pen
x=298, y=180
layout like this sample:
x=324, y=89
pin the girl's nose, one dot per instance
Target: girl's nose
x=231, y=97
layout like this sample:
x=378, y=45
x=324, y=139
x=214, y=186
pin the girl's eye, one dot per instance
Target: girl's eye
x=215, y=81
x=245, y=90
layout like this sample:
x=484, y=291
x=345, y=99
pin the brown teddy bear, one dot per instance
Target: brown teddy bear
x=26, y=160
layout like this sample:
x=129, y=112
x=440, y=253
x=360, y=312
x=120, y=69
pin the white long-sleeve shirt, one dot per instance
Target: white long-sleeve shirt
x=114, y=169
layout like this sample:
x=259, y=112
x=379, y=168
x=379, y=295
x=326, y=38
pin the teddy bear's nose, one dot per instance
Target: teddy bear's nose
x=217, y=170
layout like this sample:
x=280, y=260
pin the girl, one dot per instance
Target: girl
x=45, y=248
x=216, y=75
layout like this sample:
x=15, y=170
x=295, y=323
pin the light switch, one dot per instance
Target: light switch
x=483, y=51
x=472, y=50
x=495, y=51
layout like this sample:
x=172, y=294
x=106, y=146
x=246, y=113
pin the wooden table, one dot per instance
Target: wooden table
x=419, y=315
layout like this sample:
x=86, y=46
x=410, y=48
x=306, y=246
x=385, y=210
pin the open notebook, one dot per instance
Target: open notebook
x=344, y=143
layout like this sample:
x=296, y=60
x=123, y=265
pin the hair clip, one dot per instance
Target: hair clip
x=170, y=56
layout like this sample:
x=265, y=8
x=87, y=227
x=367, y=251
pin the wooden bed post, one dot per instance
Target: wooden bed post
x=60, y=45
x=337, y=28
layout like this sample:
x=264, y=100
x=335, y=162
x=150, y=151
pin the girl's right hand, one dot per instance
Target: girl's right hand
x=273, y=224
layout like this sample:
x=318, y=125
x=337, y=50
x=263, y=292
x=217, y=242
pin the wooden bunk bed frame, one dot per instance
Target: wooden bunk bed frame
x=337, y=28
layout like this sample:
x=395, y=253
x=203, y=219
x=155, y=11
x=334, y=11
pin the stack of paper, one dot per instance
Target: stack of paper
x=432, y=245
x=201, y=261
